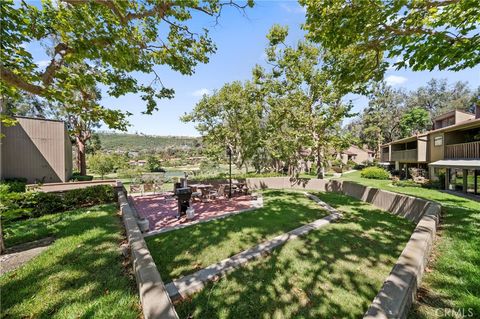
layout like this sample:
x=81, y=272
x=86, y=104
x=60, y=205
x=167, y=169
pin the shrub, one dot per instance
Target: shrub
x=101, y=164
x=375, y=173
x=81, y=178
x=14, y=185
x=406, y=183
x=16, y=206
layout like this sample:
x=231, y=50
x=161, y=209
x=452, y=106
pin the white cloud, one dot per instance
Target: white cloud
x=201, y=92
x=43, y=63
x=293, y=9
x=395, y=80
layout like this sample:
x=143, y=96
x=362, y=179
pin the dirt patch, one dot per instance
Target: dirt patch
x=18, y=255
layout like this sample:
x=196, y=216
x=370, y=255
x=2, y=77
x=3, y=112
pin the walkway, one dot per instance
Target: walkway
x=188, y=285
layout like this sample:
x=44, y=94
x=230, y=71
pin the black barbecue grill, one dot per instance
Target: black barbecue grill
x=183, y=197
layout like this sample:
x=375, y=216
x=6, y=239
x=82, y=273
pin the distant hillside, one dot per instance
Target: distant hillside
x=140, y=142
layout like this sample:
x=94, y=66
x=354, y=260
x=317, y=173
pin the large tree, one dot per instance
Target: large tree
x=230, y=117
x=379, y=122
x=438, y=97
x=304, y=105
x=422, y=35
x=117, y=38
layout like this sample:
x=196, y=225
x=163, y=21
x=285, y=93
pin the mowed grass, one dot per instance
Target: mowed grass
x=182, y=252
x=332, y=272
x=79, y=276
x=452, y=282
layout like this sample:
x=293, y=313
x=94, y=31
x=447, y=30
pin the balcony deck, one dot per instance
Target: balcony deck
x=405, y=156
x=463, y=151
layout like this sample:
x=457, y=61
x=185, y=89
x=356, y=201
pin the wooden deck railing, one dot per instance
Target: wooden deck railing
x=405, y=155
x=464, y=150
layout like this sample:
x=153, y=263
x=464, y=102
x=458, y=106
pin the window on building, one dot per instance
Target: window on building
x=438, y=141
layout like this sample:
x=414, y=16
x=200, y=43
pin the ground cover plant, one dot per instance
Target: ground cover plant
x=453, y=277
x=375, y=173
x=182, y=252
x=79, y=276
x=332, y=272
x=17, y=206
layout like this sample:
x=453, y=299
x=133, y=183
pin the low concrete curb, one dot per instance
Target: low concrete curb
x=398, y=291
x=156, y=303
x=188, y=285
x=258, y=203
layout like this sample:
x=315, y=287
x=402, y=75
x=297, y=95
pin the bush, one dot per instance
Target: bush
x=375, y=173
x=14, y=185
x=16, y=206
x=406, y=183
x=81, y=178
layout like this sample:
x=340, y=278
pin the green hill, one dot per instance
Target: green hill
x=141, y=142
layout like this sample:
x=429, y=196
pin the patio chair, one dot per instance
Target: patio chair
x=148, y=187
x=157, y=186
x=220, y=192
x=136, y=188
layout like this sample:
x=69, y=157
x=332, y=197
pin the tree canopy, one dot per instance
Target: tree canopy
x=114, y=38
x=289, y=112
x=421, y=35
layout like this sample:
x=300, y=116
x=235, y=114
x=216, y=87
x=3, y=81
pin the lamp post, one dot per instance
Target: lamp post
x=229, y=153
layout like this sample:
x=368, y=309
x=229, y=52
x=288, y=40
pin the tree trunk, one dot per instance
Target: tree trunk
x=320, y=168
x=81, y=161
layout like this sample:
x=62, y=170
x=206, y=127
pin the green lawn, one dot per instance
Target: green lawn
x=181, y=252
x=453, y=279
x=333, y=272
x=80, y=276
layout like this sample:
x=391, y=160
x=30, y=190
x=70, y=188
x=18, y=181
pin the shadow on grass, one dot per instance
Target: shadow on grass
x=184, y=251
x=80, y=275
x=332, y=272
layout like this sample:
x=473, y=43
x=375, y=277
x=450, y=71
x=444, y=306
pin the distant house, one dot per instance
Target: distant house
x=37, y=149
x=356, y=154
x=451, y=149
x=137, y=163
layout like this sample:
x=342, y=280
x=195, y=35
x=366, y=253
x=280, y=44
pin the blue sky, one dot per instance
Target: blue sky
x=240, y=44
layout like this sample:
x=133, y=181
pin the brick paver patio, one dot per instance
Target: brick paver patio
x=161, y=209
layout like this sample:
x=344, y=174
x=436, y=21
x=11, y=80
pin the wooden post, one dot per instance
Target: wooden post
x=465, y=180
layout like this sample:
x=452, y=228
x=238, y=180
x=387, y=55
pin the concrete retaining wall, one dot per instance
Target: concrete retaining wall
x=156, y=303
x=409, y=207
x=399, y=289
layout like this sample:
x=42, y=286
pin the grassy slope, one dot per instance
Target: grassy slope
x=453, y=280
x=334, y=272
x=79, y=276
x=134, y=142
x=184, y=251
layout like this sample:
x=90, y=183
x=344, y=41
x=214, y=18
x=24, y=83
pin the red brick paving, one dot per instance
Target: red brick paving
x=161, y=211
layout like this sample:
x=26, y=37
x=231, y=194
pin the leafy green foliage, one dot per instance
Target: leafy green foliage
x=101, y=164
x=77, y=177
x=113, y=39
x=362, y=37
x=375, y=173
x=15, y=185
x=416, y=120
x=289, y=112
x=17, y=206
x=154, y=164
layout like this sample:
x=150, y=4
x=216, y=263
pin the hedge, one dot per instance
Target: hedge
x=375, y=173
x=17, y=206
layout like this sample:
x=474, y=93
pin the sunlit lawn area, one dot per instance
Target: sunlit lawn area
x=184, y=251
x=80, y=276
x=453, y=279
x=333, y=272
